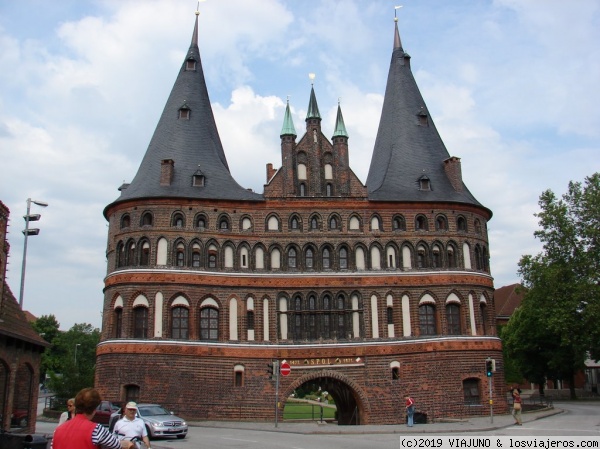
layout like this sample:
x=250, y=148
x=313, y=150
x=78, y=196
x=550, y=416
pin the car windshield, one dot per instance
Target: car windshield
x=152, y=410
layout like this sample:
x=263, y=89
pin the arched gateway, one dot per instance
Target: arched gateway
x=351, y=401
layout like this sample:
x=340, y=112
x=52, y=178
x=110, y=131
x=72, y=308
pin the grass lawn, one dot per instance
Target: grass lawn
x=302, y=410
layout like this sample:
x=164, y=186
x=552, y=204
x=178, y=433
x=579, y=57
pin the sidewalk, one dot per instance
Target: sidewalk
x=473, y=424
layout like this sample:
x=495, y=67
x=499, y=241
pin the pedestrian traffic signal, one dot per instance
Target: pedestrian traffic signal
x=489, y=367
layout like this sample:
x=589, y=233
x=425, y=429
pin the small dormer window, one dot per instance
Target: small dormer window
x=198, y=179
x=423, y=118
x=424, y=183
x=184, y=114
x=190, y=65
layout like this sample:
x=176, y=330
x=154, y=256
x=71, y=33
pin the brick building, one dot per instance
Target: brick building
x=20, y=352
x=369, y=291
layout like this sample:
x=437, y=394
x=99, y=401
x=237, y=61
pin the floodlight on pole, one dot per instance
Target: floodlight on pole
x=27, y=232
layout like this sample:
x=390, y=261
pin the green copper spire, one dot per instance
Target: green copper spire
x=340, y=128
x=288, y=124
x=313, y=108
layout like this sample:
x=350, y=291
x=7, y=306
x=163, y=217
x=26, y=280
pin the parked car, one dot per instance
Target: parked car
x=103, y=412
x=161, y=422
x=19, y=418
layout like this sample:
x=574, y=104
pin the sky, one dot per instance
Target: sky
x=512, y=86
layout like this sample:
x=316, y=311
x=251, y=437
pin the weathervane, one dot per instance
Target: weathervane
x=396, y=8
x=312, y=78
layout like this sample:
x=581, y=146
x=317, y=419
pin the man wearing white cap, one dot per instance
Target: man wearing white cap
x=130, y=426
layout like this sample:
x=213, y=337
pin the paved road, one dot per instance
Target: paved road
x=568, y=418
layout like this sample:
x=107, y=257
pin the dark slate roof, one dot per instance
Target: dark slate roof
x=404, y=150
x=192, y=144
x=13, y=321
x=313, y=107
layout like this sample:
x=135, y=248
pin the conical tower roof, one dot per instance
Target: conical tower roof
x=313, y=107
x=408, y=148
x=288, y=123
x=192, y=142
x=340, y=127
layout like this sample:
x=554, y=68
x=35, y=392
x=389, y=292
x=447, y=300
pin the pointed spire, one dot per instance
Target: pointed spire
x=187, y=135
x=195, y=33
x=397, y=41
x=288, y=124
x=313, y=108
x=408, y=143
x=340, y=128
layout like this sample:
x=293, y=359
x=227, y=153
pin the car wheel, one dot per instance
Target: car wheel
x=180, y=437
x=23, y=422
x=150, y=436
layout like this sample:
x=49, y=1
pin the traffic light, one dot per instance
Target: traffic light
x=489, y=367
x=270, y=370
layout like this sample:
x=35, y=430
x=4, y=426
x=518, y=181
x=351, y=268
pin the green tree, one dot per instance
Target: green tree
x=555, y=328
x=48, y=328
x=75, y=352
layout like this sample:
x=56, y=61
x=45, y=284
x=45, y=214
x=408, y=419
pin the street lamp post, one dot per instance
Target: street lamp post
x=27, y=232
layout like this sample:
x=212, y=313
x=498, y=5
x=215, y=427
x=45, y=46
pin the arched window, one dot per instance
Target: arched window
x=312, y=318
x=461, y=224
x=453, y=319
x=333, y=224
x=343, y=258
x=121, y=259
x=441, y=224
x=145, y=254
x=478, y=258
x=302, y=189
x=125, y=221
x=314, y=223
x=298, y=325
x=196, y=255
x=180, y=323
x=421, y=223
x=483, y=313
x=471, y=391
x=399, y=224
x=224, y=224
x=180, y=255
x=131, y=253
x=329, y=189
x=427, y=319
x=309, y=258
x=292, y=258
x=421, y=257
x=212, y=258
x=118, y=322
x=326, y=317
x=201, y=222
x=452, y=257
x=437, y=256
x=140, y=322
x=177, y=220
x=250, y=319
x=209, y=324
x=147, y=219
x=326, y=259
x=390, y=315
x=294, y=223
x=477, y=226
x=341, y=317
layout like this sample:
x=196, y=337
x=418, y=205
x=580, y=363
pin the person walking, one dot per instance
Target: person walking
x=80, y=432
x=69, y=414
x=410, y=410
x=517, y=406
x=130, y=426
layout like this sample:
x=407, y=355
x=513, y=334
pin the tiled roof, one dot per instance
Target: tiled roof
x=192, y=144
x=13, y=321
x=408, y=145
x=507, y=299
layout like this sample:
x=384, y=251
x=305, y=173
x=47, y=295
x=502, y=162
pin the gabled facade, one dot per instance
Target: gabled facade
x=20, y=352
x=370, y=291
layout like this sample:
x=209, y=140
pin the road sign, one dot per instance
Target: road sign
x=285, y=369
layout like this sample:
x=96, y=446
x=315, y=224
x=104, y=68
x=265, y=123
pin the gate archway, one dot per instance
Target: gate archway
x=350, y=400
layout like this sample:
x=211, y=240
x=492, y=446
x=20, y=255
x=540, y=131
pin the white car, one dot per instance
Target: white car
x=159, y=421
